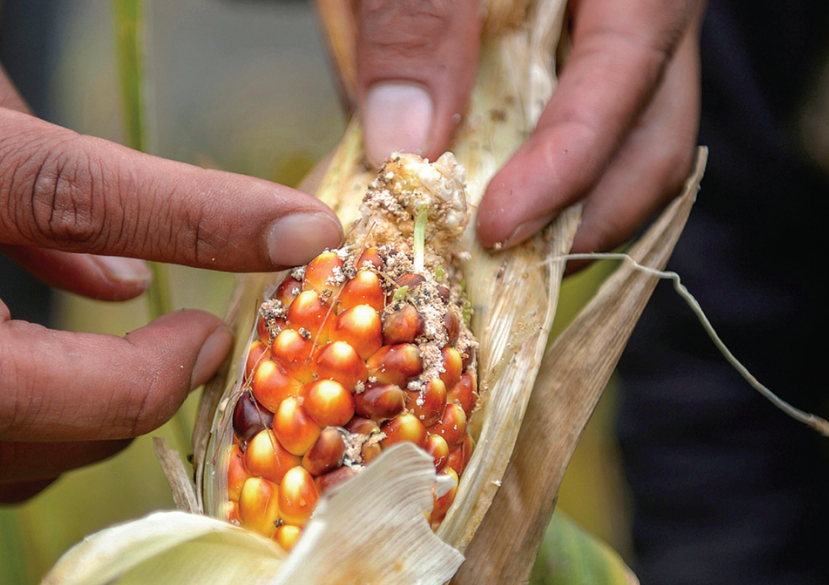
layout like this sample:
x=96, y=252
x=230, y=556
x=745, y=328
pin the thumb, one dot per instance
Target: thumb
x=415, y=68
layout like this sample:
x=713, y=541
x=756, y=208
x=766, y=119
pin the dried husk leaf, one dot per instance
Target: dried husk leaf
x=572, y=377
x=341, y=545
x=176, y=547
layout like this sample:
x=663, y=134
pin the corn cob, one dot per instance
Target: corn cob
x=364, y=347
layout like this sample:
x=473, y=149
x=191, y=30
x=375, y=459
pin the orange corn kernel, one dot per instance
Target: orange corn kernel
x=259, y=506
x=452, y=366
x=294, y=429
x=404, y=325
x=272, y=384
x=294, y=352
x=288, y=290
x=266, y=458
x=231, y=512
x=441, y=504
x=257, y=353
x=339, y=361
x=328, y=403
x=464, y=394
x=428, y=403
x=360, y=327
x=333, y=478
x=405, y=427
x=363, y=289
x=380, y=402
x=372, y=257
x=437, y=447
x=310, y=314
x=326, y=454
x=236, y=473
x=452, y=425
x=362, y=426
x=395, y=364
x=298, y=496
x=324, y=274
x=459, y=455
x=287, y=536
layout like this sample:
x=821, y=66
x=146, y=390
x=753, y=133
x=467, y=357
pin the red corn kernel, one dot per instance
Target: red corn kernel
x=441, y=504
x=459, y=455
x=402, y=326
x=328, y=403
x=360, y=327
x=294, y=429
x=380, y=402
x=410, y=280
x=323, y=274
x=428, y=403
x=287, y=536
x=452, y=324
x=288, y=290
x=236, y=473
x=334, y=478
x=464, y=394
x=370, y=452
x=405, y=427
x=298, y=496
x=265, y=457
x=437, y=447
x=362, y=426
x=339, y=361
x=272, y=384
x=309, y=313
x=326, y=454
x=395, y=364
x=363, y=289
x=452, y=366
x=249, y=418
x=294, y=352
x=259, y=506
x=452, y=425
x=372, y=256
x=444, y=293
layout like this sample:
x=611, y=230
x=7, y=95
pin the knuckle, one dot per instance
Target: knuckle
x=400, y=28
x=65, y=202
x=18, y=403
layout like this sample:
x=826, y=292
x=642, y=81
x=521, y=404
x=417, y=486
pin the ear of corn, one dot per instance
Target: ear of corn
x=363, y=348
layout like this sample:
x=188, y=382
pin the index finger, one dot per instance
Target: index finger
x=62, y=190
x=620, y=50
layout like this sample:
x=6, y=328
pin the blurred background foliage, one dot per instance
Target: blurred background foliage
x=242, y=86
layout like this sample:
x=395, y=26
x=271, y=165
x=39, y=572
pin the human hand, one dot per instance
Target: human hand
x=70, y=399
x=618, y=133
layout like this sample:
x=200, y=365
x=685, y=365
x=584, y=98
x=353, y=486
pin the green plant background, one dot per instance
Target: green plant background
x=244, y=87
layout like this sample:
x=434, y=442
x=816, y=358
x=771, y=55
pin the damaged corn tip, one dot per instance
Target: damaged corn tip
x=356, y=352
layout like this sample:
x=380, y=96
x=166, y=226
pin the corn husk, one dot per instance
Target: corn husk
x=514, y=295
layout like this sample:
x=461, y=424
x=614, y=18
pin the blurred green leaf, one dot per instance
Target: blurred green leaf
x=570, y=556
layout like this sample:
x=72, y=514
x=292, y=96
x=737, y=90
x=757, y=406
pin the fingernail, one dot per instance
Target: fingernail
x=123, y=269
x=527, y=229
x=297, y=238
x=397, y=117
x=210, y=357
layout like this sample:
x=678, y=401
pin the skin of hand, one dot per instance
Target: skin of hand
x=619, y=132
x=78, y=212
